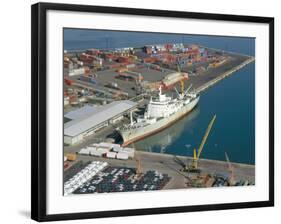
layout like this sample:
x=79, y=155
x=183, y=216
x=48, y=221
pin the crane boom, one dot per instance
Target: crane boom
x=205, y=136
x=231, y=170
x=182, y=86
x=196, y=154
x=228, y=162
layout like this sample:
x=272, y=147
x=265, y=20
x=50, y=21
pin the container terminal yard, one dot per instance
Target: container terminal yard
x=109, y=93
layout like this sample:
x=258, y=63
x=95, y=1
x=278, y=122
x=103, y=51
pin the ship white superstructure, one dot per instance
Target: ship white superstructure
x=161, y=112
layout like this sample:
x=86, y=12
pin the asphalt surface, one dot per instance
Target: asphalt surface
x=167, y=164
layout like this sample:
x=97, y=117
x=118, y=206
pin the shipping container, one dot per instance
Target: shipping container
x=105, y=145
x=122, y=156
x=92, y=148
x=129, y=151
x=121, y=69
x=68, y=81
x=84, y=151
x=71, y=156
x=131, y=65
x=117, y=148
x=112, y=66
x=123, y=60
x=111, y=155
x=77, y=71
x=96, y=153
x=66, y=101
x=150, y=60
x=88, y=79
x=103, y=150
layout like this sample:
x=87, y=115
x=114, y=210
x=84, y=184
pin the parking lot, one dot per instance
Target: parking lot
x=73, y=169
x=118, y=179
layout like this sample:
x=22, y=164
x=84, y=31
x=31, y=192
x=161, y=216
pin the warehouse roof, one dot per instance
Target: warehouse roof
x=100, y=115
x=81, y=112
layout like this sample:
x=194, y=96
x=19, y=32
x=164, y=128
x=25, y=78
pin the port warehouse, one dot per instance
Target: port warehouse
x=88, y=120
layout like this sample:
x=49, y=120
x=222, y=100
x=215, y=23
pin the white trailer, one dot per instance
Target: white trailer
x=111, y=155
x=122, y=156
x=84, y=151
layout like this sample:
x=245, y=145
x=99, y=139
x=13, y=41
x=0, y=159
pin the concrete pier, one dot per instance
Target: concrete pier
x=212, y=82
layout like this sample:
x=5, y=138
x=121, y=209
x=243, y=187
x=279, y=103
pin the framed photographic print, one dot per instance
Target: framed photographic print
x=138, y=111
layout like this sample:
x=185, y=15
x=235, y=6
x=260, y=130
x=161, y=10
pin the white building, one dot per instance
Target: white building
x=86, y=121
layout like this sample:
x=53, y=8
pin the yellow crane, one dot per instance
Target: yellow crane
x=196, y=153
x=181, y=82
x=231, y=180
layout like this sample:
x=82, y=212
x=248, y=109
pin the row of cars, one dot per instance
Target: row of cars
x=116, y=179
x=223, y=180
x=83, y=176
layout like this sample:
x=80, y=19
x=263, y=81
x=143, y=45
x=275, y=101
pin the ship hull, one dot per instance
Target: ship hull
x=134, y=135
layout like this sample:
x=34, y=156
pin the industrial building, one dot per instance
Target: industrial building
x=86, y=121
x=81, y=112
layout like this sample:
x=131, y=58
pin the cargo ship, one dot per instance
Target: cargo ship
x=161, y=112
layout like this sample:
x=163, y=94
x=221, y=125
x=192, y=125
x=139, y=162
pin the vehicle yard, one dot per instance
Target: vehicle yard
x=105, y=89
x=115, y=179
x=213, y=174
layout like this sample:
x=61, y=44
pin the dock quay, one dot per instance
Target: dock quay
x=168, y=165
x=212, y=82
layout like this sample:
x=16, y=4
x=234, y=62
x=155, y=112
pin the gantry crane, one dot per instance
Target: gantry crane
x=193, y=167
x=231, y=180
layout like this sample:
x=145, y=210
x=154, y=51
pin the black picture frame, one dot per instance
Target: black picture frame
x=38, y=108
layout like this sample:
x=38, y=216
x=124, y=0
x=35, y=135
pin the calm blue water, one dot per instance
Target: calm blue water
x=232, y=100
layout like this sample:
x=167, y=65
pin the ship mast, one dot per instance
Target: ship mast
x=160, y=90
x=131, y=117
